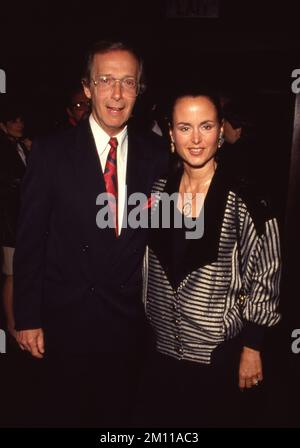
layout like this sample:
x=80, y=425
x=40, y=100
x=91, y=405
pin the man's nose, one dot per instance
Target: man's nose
x=117, y=90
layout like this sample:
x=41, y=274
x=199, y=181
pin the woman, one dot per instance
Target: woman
x=14, y=150
x=208, y=299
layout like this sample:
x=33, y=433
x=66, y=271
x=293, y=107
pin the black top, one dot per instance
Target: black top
x=180, y=243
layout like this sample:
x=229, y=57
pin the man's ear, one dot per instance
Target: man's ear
x=86, y=89
x=238, y=132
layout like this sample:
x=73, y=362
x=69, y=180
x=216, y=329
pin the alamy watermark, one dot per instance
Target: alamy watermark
x=296, y=83
x=296, y=343
x=2, y=81
x=2, y=341
x=136, y=212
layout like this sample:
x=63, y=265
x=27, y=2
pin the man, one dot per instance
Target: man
x=240, y=142
x=78, y=107
x=78, y=287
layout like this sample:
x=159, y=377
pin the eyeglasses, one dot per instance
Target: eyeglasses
x=129, y=84
x=81, y=105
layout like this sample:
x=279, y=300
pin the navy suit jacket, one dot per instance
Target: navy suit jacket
x=81, y=284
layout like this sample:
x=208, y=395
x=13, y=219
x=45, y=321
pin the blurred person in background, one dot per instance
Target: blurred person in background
x=14, y=150
x=239, y=141
x=78, y=107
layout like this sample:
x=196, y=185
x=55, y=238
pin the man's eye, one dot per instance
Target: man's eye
x=184, y=128
x=130, y=82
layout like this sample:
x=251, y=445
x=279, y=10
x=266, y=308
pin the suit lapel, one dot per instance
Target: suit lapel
x=136, y=166
x=86, y=161
x=89, y=179
x=15, y=159
x=137, y=173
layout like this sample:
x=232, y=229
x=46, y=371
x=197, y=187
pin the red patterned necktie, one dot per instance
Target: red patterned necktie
x=111, y=179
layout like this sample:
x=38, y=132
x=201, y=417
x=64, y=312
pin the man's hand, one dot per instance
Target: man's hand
x=250, y=370
x=33, y=341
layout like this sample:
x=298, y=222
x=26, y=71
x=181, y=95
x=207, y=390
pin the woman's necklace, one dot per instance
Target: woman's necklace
x=187, y=205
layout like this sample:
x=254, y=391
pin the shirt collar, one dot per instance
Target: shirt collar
x=102, y=138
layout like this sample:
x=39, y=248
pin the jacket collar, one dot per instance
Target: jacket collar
x=197, y=252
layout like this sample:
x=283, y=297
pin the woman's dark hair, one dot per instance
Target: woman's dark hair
x=195, y=92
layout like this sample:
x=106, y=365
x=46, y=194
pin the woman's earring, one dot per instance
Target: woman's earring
x=172, y=147
x=220, y=140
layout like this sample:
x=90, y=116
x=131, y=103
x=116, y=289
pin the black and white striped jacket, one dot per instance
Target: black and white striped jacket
x=193, y=316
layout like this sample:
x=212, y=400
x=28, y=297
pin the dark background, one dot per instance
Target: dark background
x=250, y=50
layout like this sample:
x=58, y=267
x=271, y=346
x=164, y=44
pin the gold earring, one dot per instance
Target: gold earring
x=220, y=140
x=172, y=147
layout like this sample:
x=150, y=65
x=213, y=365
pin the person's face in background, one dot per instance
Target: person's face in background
x=112, y=107
x=231, y=135
x=195, y=130
x=15, y=128
x=79, y=107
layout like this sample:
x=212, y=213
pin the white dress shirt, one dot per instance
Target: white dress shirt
x=101, y=141
x=21, y=153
